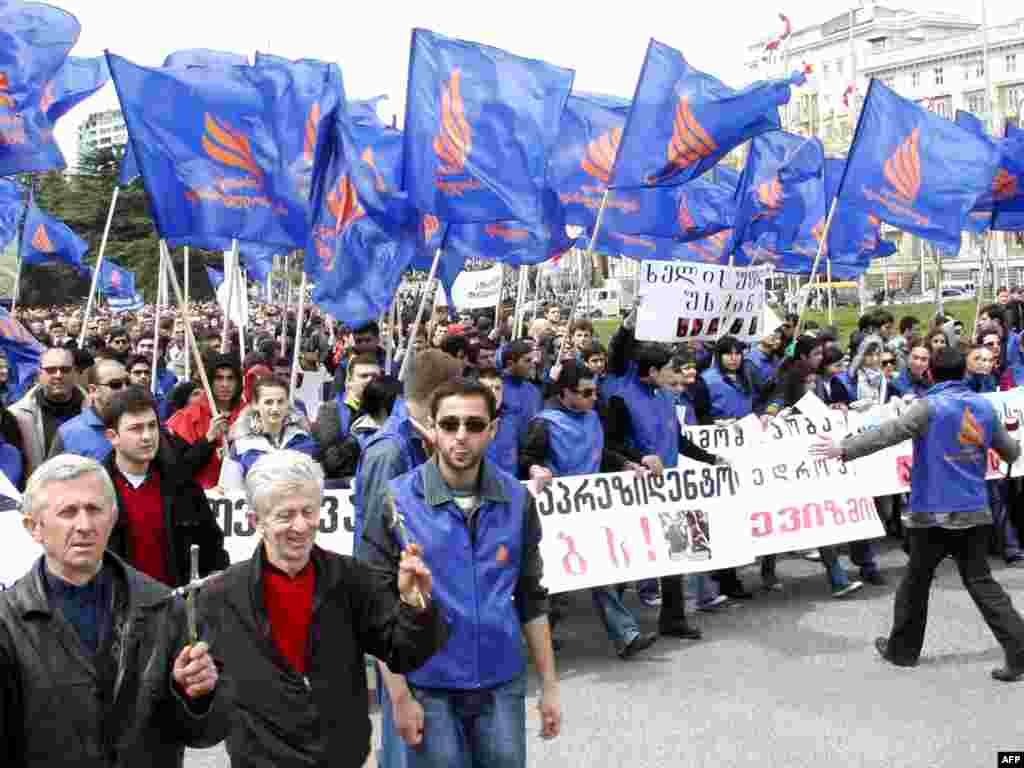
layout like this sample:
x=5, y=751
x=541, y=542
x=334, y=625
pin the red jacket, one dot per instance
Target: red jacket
x=191, y=424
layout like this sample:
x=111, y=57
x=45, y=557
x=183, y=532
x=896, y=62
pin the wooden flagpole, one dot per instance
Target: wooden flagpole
x=419, y=316
x=96, y=271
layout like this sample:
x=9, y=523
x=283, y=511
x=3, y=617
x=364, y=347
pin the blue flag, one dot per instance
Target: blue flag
x=45, y=239
x=76, y=81
x=35, y=39
x=364, y=112
x=781, y=205
x=684, y=121
x=355, y=266
x=915, y=169
x=116, y=282
x=211, y=151
x=216, y=278
x=855, y=238
x=118, y=305
x=480, y=124
x=205, y=57
x=12, y=208
x=710, y=250
x=129, y=168
x=21, y=350
x=258, y=262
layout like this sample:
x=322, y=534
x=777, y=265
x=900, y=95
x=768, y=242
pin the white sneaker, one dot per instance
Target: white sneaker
x=813, y=555
x=713, y=604
x=849, y=589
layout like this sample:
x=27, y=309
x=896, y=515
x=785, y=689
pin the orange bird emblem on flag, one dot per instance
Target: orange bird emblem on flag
x=344, y=205
x=1005, y=185
x=431, y=225
x=455, y=140
x=689, y=144
x=770, y=195
x=229, y=146
x=512, y=234
x=312, y=129
x=600, y=156
x=5, y=97
x=41, y=240
x=903, y=169
x=971, y=432
x=378, y=177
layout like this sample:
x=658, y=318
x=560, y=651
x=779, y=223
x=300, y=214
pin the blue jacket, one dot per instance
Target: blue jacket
x=977, y=382
x=248, y=445
x=685, y=399
x=575, y=442
x=400, y=434
x=476, y=573
x=728, y=401
x=85, y=435
x=522, y=397
x=504, y=449
x=12, y=464
x=951, y=457
x=652, y=418
x=766, y=366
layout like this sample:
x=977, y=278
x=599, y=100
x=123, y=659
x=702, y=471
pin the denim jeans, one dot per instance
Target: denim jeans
x=621, y=625
x=834, y=571
x=705, y=587
x=392, y=749
x=472, y=729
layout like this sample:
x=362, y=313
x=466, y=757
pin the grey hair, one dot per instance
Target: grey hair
x=64, y=466
x=280, y=472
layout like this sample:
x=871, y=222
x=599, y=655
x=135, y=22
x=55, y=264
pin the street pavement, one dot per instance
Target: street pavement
x=788, y=679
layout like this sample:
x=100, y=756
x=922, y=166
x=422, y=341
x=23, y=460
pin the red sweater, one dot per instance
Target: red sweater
x=289, y=603
x=147, y=533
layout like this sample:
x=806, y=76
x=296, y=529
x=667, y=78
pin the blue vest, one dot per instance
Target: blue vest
x=575, y=442
x=475, y=580
x=950, y=460
x=85, y=435
x=902, y=385
x=977, y=382
x=652, y=417
x=727, y=400
x=521, y=397
x=766, y=366
x=504, y=449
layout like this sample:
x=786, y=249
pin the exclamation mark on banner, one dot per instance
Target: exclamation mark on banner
x=645, y=524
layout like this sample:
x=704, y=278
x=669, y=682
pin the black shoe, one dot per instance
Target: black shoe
x=1008, y=674
x=556, y=643
x=641, y=642
x=876, y=578
x=679, y=628
x=739, y=593
x=882, y=646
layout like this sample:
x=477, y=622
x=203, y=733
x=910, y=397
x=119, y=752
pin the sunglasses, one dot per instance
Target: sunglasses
x=53, y=370
x=586, y=392
x=115, y=384
x=475, y=425
x=889, y=362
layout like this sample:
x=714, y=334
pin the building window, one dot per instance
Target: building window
x=878, y=44
x=889, y=82
x=1011, y=62
x=915, y=79
x=839, y=67
x=979, y=69
x=825, y=70
x=976, y=103
x=938, y=76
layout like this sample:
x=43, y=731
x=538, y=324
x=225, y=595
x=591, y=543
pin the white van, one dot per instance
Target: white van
x=967, y=286
x=608, y=301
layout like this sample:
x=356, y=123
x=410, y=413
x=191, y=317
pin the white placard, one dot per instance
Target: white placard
x=480, y=289
x=682, y=301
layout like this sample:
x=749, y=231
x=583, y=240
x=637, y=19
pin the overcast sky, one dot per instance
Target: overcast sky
x=604, y=42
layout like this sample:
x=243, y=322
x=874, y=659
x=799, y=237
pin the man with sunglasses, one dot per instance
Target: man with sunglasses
x=479, y=533
x=86, y=434
x=44, y=408
x=566, y=440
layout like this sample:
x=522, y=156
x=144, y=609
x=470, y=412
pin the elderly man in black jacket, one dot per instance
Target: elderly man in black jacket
x=96, y=670
x=295, y=622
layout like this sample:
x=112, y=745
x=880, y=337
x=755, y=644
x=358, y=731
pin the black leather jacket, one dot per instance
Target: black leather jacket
x=58, y=709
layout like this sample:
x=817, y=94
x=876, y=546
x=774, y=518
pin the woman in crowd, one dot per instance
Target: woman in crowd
x=270, y=423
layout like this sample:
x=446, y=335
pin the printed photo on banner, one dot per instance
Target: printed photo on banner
x=688, y=301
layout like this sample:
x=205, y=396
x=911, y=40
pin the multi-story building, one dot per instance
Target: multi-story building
x=102, y=130
x=932, y=57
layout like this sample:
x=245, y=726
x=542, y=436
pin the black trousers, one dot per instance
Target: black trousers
x=673, y=599
x=969, y=548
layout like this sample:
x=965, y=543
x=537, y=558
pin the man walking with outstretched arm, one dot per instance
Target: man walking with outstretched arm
x=953, y=429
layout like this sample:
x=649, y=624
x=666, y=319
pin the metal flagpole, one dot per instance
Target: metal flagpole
x=229, y=275
x=814, y=268
x=589, y=255
x=96, y=270
x=828, y=288
x=298, y=339
x=188, y=358
x=287, y=302
x=419, y=316
x=160, y=282
x=242, y=294
x=165, y=258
